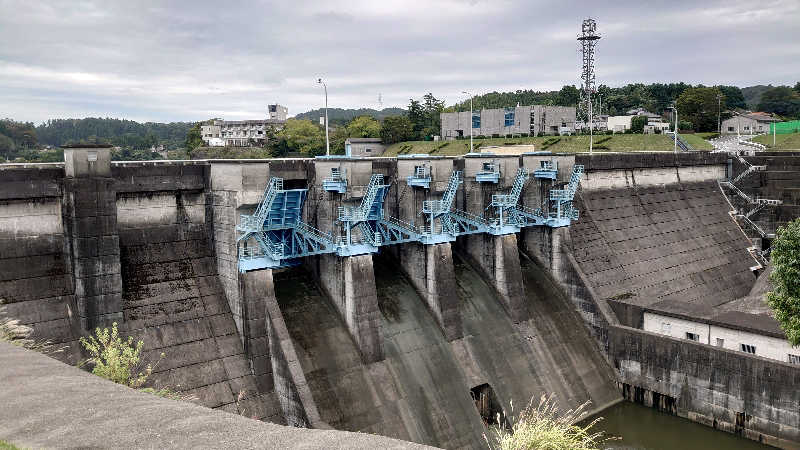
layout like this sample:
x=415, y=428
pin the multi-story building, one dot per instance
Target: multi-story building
x=530, y=120
x=244, y=133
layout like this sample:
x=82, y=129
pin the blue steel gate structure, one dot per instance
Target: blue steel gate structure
x=275, y=235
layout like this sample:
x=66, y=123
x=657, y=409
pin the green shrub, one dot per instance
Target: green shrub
x=542, y=427
x=116, y=359
x=119, y=360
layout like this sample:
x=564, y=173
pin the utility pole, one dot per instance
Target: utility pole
x=327, y=141
x=719, y=110
x=471, y=112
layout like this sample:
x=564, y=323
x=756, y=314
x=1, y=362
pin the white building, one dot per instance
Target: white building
x=756, y=334
x=618, y=124
x=244, y=133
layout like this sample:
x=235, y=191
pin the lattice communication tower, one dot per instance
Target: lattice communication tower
x=588, y=39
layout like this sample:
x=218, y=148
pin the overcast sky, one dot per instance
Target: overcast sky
x=192, y=60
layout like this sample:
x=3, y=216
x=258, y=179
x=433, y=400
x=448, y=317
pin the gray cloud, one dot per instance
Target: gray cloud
x=191, y=60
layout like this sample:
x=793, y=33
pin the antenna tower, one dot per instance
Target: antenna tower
x=588, y=39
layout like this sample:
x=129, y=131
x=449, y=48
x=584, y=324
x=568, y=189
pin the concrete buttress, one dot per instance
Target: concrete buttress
x=90, y=218
x=430, y=269
x=255, y=288
x=497, y=258
x=349, y=282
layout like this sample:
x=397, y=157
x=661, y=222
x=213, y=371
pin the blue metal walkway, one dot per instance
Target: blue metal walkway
x=275, y=235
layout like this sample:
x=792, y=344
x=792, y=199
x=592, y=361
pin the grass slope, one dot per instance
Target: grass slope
x=697, y=142
x=557, y=144
x=782, y=141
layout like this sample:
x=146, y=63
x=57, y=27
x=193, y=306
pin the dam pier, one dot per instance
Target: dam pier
x=416, y=297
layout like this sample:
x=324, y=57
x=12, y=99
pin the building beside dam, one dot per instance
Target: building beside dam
x=519, y=120
x=428, y=338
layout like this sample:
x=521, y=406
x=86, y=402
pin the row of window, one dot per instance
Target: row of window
x=747, y=348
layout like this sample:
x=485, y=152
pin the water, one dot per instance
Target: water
x=645, y=428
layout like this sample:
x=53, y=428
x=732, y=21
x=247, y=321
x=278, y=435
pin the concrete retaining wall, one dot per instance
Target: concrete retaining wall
x=637, y=244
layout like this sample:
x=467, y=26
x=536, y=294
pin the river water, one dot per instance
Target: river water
x=641, y=427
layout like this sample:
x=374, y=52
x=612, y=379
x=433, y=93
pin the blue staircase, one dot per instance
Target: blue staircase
x=275, y=235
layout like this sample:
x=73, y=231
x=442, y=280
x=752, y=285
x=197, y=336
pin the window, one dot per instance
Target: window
x=794, y=359
x=367, y=150
x=693, y=336
x=731, y=129
x=720, y=342
x=749, y=349
x=509, y=118
x=476, y=120
x=665, y=328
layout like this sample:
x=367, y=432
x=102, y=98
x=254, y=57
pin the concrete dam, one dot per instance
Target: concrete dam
x=386, y=320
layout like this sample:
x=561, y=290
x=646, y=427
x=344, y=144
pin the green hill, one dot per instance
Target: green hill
x=341, y=116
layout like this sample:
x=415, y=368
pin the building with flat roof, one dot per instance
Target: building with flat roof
x=750, y=123
x=528, y=120
x=364, y=147
x=244, y=133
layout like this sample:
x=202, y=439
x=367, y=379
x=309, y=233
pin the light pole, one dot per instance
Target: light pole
x=327, y=142
x=470, y=119
x=675, y=135
x=591, y=123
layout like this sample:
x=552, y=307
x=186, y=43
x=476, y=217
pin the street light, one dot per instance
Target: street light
x=470, y=119
x=675, y=134
x=327, y=142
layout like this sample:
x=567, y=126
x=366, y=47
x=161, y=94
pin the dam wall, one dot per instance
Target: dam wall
x=418, y=342
x=653, y=231
x=780, y=181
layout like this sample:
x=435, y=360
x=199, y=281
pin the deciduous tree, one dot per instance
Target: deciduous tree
x=699, y=106
x=303, y=136
x=364, y=127
x=784, y=299
x=781, y=100
x=396, y=129
x=194, y=138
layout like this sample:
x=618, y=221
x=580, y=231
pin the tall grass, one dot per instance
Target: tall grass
x=541, y=426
